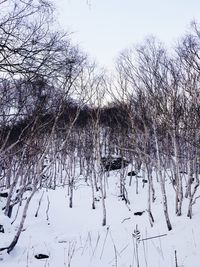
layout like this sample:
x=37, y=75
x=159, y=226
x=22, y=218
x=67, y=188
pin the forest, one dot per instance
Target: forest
x=63, y=117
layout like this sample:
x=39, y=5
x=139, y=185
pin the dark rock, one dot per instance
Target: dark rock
x=1, y=229
x=41, y=256
x=139, y=213
x=132, y=173
x=4, y=194
x=144, y=181
x=113, y=163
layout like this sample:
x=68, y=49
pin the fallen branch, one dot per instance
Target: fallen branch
x=126, y=219
x=148, y=238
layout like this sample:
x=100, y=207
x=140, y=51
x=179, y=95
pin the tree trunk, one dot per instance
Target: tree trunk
x=162, y=183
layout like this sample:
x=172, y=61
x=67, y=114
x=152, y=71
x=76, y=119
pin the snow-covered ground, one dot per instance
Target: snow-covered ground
x=76, y=238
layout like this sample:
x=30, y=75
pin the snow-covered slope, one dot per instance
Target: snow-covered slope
x=76, y=238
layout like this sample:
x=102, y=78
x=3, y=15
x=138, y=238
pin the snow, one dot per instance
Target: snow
x=75, y=237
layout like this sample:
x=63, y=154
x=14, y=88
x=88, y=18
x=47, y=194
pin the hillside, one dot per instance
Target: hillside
x=75, y=236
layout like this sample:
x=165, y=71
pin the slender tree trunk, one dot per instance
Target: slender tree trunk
x=178, y=177
x=150, y=193
x=21, y=225
x=162, y=183
x=196, y=167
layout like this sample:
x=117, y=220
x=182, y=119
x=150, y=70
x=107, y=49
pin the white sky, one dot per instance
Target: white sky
x=109, y=26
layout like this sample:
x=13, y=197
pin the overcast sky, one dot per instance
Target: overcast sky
x=108, y=26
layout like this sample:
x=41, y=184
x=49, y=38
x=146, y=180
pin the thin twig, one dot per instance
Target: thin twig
x=148, y=238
